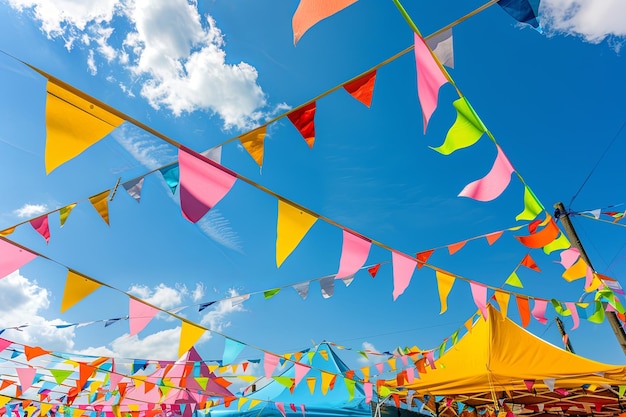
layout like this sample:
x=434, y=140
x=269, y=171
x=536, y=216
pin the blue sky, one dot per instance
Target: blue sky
x=205, y=73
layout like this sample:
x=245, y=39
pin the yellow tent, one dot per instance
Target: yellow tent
x=503, y=367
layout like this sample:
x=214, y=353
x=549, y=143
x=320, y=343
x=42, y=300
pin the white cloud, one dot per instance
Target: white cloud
x=217, y=227
x=21, y=302
x=161, y=295
x=216, y=318
x=198, y=292
x=148, y=151
x=30, y=210
x=593, y=20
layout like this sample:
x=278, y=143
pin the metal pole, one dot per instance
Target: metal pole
x=562, y=214
x=568, y=344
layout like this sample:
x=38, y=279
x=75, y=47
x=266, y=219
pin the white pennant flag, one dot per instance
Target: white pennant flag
x=302, y=289
x=133, y=188
x=328, y=286
x=441, y=45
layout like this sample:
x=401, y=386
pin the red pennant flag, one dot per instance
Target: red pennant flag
x=374, y=270
x=362, y=88
x=528, y=262
x=40, y=224
x=492, y=237
x=529, y=384
x=293, y=407
x=304, y=120
x=455, y=247
x=422, y=257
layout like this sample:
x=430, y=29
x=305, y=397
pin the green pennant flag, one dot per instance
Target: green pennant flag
x=455, y=337
x=560, y=310
x=559, y=243
x=284, y=380
x=532, y=206
x=384, y=392
x=350, y=387
x=202, y=381
x=60, y=375
x=514, y=281
x=465, y=131
x=622, y=390
x=442, y=347
x=598, y=316
x=270, y=293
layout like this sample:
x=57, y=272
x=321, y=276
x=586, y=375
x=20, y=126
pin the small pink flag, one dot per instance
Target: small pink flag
x=26, y=377
x=403, y=268
x=569, y=257
x=430, y=78
x=354, y=253
x=571, y=306
x=303, y=410
x=12, y=258
x=301, y=371
x=588, y=277
x=479, y=293
x=202, y=184
x=40, y=224
x=4, y=344
x=139, y=315
x=539, y=311
x=281, y=408
x=367, y=388
x=410, y=375
x=494, y=183
x=269, y=364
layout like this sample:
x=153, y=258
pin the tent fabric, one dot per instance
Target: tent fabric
x=335, y=403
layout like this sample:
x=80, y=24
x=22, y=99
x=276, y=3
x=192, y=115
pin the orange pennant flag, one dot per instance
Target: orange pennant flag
x=444, y=284
x=101, y=203
x=523, y=306
x=422, y=257
x=310, y=12
x=362, y=88
x=74, y=122
x=576, y=271
x=189, y=335
x=254, y=143
x=493, y=237
x=34, y=352
x=77, y=287
x=455, y=247
x=304, y=120
x=528, y=262
x=540, y=239
x=293, y=224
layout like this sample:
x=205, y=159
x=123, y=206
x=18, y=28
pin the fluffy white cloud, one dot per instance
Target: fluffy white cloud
x=22, y=301
x=30, y=210
x=217, y=318
x=371, y=359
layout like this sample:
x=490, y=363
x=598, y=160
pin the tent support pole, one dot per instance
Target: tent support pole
x=568, y=344
x=562, y=214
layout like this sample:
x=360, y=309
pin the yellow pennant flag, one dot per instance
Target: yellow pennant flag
x=323, y=353
x=77, y=412
x=366, y=373
x=189, y=335
x=4, y=400
x=595, y=284
x=8, y=231
x=444, y=283
x=291, y=227
x=465, y=131
x=77, y=287
x=326, y=380
x=74, y=122
x=514, y=281
x=44, y=408
x=242, y=401
x=532, y=206
x=392, y=363
x=101, y=203
x=311, y=383
x=576, y=271
x=253, y=142
x=502, y=298
x=65, y=212
x=253, y=403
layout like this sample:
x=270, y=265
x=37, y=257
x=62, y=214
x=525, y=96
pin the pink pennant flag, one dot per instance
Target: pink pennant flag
x=12, y=258
x=139, y=315
x=571, y=306
x=529, y=384
x=430, y=78
x=403, y=268
x=40, y=224
x=479, y=293
x=354, y=253
x=539, y=311
x=301, y=371
x=303, y=410
x=494, y=183
x=410, y=375
x=26, y=377
x=4, y=344
x=588, y=277
x=310, y=12
x=569, y=257
x=202, y=184
x=269, y=364
x=367, y=388
x=380, y=367
x=281, y=408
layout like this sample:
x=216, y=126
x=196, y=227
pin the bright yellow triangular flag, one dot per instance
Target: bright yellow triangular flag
x=366, y=373
x=444, y=283
x=502, y=298
x=242, y=401
x=101, y=203
x=4, y=400
x=253, y=403
x=326, y=380
x=253, y=142
x=324, y=353
x=514, y=280
x=311, y=383
x=576, y=271
x=189, y=335
x=65, y=212
x=73, y=124
x=77, y=412
x=392, y=363
x=44, y=408
x=291, y=227
x=77, y=287
x=8, y=231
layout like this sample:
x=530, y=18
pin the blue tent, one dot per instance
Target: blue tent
x=336, y=402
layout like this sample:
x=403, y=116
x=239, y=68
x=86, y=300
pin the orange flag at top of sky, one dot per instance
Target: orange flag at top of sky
x=309, y=12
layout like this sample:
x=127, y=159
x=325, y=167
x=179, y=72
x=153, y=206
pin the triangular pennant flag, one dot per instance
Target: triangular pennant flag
x=40, y=224
x=60, y=375
x=528, y=262
x=354, y=252
x=362, y=88
x=549, y=383
x=293, y=224
x=77, y=287
x=26, y=377
x=7, y=232
x=327, y=286
x=74, y=122
x=310, y=12
x=465, y=131
x=539, y=311
x=442, y=45
x=270, y=293
x=502, y=298
x=327, y=378
x=254, y=143
x=403, y=268
x=444, y=284
x=285, y=381
x=529, y=384
x=493, y=237
x=202, y=184
x=455, y=247
x=171, y=175
x=232, y=349
x=13, y=257
x=373, y=270
x=139, y=315
x=571, y=306
x=576, y=271
x=524, y=11
x=422, y=257
x=269, y=364
x=311, y=384
x=101, y=203
x=430, y=78
x=303, y=119
x=532, y=206
x=569, y=257
x=350, y=384
x=541, y=238
x=301, y=371
x=367, y=389
x=302, y=289
x=494, y=183
x=598, y=315
x=133, y=188
x=189, y=335
x=281, y=408
x=560, y=243
x=32, y=352
x=479, y=294
x=64, y=213
x=523, y=306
